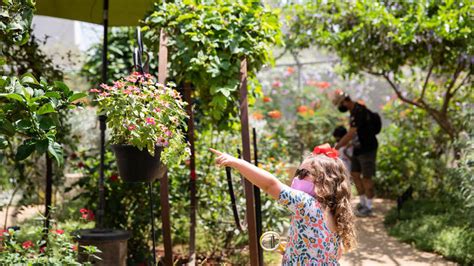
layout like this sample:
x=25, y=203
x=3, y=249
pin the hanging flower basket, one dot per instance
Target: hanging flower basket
x=136, y=165
x=146, y=121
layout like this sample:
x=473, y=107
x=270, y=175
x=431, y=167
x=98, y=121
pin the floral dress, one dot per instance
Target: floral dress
x=310, y=242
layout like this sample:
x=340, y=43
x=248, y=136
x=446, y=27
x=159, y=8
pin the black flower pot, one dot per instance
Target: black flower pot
x=138, y=165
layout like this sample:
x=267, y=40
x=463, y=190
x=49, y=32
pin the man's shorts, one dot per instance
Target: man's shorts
x=364, y=163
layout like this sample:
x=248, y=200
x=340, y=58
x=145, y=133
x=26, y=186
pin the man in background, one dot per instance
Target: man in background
x=364, y=126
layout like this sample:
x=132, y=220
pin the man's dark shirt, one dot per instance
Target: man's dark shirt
x=360, y=119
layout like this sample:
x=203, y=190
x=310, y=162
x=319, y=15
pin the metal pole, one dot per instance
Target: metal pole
x=152, y=215
x=193, y=177
x=250, y=200
x=49, y=192
x=258, y=201
x=102, y=119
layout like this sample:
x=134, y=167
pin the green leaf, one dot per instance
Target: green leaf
x=53, y=94
x=24, y=124
x=56, y=150
x=46, y=123
x=77, y=96
x=42, y=145
x=7, y=128
x=46, y=109
x=62, y=86
x=29, y=78
x=25, y=150
x=12, y=96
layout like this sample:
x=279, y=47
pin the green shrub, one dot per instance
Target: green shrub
x=435, y=225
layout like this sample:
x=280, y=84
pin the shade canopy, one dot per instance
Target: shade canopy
x=121, y=12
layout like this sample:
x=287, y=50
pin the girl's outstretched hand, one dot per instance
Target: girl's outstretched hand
x=224, y=159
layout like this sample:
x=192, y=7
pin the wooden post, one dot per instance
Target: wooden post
x=164, y=191
x=163, y=57
x=192, y=175
x=165, y=219
x=246, y=155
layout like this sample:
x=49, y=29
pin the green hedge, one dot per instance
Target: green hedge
x=437, y=226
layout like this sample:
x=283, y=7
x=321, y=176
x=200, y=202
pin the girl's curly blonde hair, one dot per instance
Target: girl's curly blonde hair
x=331, y=180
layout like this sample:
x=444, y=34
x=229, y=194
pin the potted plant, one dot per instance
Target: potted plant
x=146, y=121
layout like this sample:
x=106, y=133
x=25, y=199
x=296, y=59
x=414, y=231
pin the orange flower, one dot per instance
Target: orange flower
x=319, y=84
x=323, y=84
x=290, y=70
x=257, y=116
x=267, y=99
x=275, y=114
x=302, y=109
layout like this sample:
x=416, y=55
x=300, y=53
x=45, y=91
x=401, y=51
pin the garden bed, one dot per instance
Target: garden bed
x=435, y=226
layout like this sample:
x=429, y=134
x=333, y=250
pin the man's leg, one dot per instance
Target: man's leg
x=358, y=183
x=368, y=184
x=360, y=189
x=355, y=173
x=368, y=171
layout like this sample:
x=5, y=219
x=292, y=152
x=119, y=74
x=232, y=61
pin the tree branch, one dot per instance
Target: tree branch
x=466, y=78
x=282, y=54
x=426, y=82
x=448, y=95
x=399, y=93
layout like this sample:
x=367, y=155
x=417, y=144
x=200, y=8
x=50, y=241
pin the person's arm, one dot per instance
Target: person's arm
x=348, y=137
x=346, y=150
x=259, y=177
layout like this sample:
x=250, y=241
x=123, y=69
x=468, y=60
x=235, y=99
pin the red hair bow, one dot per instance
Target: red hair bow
x=328, y=151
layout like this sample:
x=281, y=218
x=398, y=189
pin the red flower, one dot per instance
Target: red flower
x=132, y=127
x=91, y=216
x=27, y=244
x=59, y=231
x=87, y=214
x=80, y=165
x=323, y=84
x=43, y=249
x=74, y=248
x=326, y=150
x=114, y=177
x=267, y=99
x=275, y=114
x=302, y=109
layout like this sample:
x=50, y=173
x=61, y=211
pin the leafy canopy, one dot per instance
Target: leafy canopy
x=414, y=45
x=208, y=40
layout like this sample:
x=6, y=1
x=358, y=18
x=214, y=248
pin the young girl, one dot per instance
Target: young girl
x=319, y=199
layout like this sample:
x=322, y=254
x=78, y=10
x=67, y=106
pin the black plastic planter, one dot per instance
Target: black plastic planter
x=138, y=166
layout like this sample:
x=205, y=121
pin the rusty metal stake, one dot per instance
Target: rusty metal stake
x=246, y=155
